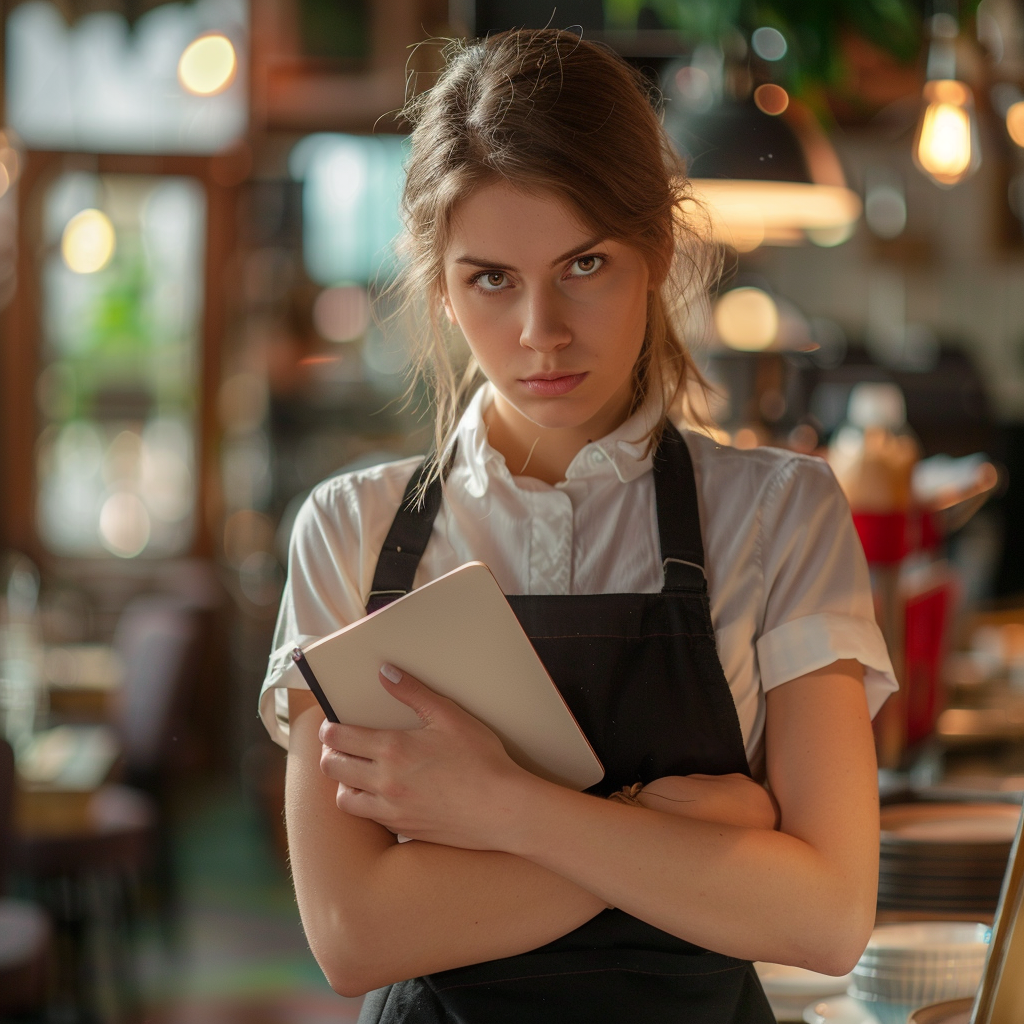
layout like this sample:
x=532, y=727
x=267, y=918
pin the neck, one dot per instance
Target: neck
x=545, y=453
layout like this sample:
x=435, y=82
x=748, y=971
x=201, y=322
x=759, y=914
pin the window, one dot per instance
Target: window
x=122, y=295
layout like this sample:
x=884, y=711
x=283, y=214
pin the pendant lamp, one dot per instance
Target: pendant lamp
x=946, y=144
x=766, y=171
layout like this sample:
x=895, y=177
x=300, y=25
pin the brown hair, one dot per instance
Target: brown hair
x=549, y=112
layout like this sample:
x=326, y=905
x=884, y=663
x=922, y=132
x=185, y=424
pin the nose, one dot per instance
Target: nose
x=545, y=327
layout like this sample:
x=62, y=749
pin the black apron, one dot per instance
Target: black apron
x=642, y=676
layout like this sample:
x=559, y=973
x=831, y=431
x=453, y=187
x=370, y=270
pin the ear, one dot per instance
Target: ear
x=448, y=311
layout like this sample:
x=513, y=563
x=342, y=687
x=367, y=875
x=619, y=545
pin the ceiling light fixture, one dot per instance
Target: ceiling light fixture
x=946, y=143
x=763, y=168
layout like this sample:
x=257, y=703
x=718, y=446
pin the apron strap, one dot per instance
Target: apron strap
x=675, y=490
x=407, y=539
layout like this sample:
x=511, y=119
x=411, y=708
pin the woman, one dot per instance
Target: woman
x=547, y=225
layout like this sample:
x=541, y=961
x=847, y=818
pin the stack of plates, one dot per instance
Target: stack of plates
x=911, y=965
x=940, y=858
x=790, y=989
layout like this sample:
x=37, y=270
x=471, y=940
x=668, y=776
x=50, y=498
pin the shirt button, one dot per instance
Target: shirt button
x=597, y=455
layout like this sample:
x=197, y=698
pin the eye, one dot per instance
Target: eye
x=586, y=266
x=491, y=281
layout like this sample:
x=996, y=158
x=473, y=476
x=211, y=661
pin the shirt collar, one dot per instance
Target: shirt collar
x=621, y=453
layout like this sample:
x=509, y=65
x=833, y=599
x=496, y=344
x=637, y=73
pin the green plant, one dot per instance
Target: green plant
x=813, y=28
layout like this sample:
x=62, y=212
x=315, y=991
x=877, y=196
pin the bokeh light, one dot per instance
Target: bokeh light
x=247, y=532
x=88, y=242
x=208, y=65
x=771, y=99
x=944, y=148
x=124, y=524
x=885, y=210
x=769, y=43
x=1015, y=122
x=10, y=161
x=342, y=314
x=747, y=319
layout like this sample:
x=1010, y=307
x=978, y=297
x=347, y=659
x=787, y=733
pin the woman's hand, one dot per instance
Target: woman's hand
x=447, y=782
x=728, y=799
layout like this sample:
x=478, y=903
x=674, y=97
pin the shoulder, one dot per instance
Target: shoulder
x=763, y=475
x=350, y=501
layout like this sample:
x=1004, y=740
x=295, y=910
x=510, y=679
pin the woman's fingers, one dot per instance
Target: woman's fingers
x=359, y=802
x=427, y=704
x=357, y=772
x=437, y=780
x=356, y=739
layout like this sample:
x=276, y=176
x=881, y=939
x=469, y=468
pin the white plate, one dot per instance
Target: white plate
x=924, y=938
x=782, y=980
x=838, y=1010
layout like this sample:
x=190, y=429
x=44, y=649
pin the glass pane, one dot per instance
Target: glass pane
x=101, y=86
x=122, y=280
x=352, y=185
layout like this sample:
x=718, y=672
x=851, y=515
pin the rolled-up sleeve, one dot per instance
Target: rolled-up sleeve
x=819, y=607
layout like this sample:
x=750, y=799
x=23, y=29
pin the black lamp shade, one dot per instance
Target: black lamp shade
x=739, y=142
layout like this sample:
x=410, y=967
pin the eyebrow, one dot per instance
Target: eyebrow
x=476, y=261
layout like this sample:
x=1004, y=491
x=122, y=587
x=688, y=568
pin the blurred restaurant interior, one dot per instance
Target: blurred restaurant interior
x=197, y=205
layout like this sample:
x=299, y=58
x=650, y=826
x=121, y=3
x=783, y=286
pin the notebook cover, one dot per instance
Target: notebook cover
x=460, y=637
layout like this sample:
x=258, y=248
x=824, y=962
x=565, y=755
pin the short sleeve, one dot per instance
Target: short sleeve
x=818, y=602
x=321, y=594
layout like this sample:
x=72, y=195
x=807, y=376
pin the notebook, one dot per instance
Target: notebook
x=460, y=637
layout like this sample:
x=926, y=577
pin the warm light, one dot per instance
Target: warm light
x=9, y=163
x=124, y=524
x=747, y=319
x=771, y=99
x=746, y=214
x=745, y=438
x=1015, y=122
x=946, y=147
x=208, y=65
x=828, y=238
x=88, y=242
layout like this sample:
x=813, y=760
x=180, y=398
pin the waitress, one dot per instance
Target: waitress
x=705, y=611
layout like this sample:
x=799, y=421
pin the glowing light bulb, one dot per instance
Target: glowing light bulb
x=208, y=65
x=946, y=144
x=88, y=242
x=747, y=319
x=1015, y=122
x=771, y=99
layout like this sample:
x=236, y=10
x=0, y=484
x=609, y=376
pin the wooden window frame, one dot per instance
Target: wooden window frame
x=20, y=354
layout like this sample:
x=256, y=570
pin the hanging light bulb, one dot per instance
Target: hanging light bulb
x=946, y=143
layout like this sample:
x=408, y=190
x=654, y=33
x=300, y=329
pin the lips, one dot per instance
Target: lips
x=553, y=384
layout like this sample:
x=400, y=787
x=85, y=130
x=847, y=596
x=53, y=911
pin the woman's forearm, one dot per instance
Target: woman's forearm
x=804, y=895
x=376, y=911
x=750, y=893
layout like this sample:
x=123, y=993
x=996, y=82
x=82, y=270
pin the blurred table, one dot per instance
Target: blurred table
x=59, y=773
x=82, y=680
x=994, y=713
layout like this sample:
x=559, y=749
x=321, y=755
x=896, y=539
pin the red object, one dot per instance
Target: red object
x=927, y=615
x=883, y=536
x=931, y=536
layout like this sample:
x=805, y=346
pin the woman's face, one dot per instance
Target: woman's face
x=554, y=316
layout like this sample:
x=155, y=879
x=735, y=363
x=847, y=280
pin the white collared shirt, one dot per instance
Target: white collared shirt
x=787, y=578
